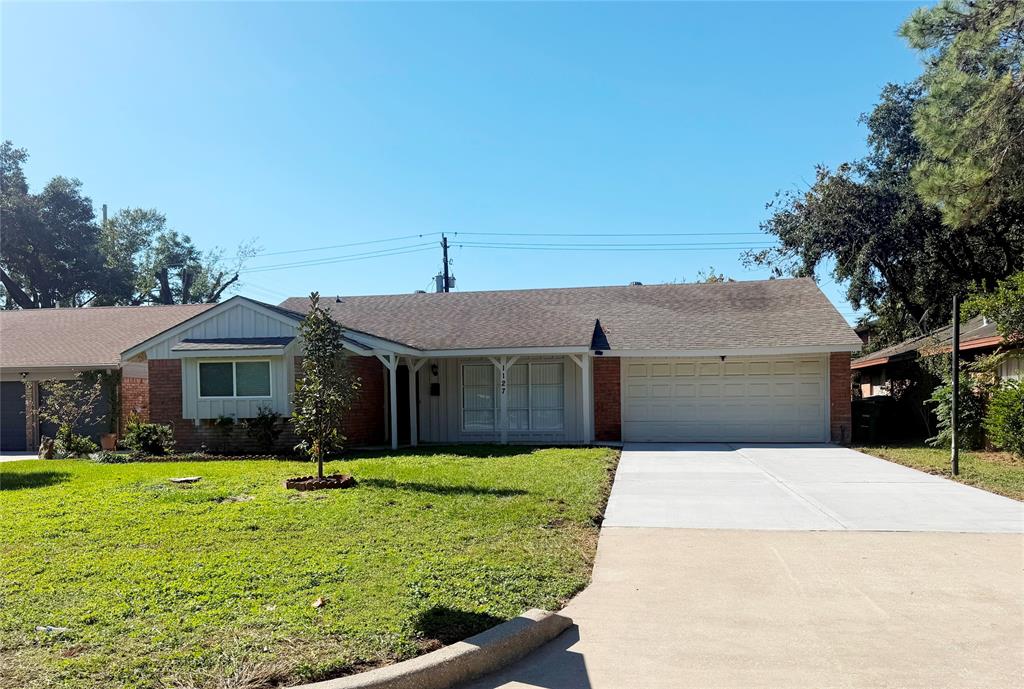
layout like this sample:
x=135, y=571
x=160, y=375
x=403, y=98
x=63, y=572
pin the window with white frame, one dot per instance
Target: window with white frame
x=220, y=379
x=536, y=397
x=478, y=397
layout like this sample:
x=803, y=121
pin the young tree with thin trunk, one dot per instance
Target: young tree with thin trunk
x=326, y=388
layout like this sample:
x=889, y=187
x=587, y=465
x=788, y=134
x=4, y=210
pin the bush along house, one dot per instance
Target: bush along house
x=742, y=361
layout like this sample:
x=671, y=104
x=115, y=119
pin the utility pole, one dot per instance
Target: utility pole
x=444, y=249
x=104, y=215
x=955, y=451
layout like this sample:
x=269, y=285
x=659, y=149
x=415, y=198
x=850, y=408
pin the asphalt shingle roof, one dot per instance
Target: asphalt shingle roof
x=731, y=315
x=93, y=336
x=973, y=329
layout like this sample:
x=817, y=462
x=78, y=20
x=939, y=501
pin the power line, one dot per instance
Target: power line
x=344, y=246
x=609, y=234
x=596, y=247
x=380, y=253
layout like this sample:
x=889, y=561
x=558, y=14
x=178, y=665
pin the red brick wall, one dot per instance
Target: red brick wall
x=134, y=399
x=839, y=396
x=607, y=399
x=364, y=424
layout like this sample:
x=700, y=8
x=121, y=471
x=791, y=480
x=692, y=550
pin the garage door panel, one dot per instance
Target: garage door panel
x=743, y=400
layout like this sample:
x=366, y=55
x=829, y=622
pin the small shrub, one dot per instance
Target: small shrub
x=970, y=411
x=1004, y=420
x=264, y=429
x=107, y=457
x=148, y=438
x=67, y=444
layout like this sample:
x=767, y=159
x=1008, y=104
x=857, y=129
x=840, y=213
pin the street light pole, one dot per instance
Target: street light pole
x=955, y=450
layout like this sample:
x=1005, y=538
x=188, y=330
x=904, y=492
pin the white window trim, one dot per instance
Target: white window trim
x=234, y=378
x=495, y=406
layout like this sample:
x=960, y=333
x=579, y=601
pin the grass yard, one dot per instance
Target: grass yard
x=213, y=584
x=997, y=472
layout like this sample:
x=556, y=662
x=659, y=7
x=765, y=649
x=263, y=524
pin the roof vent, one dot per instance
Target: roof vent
x=420, y=291
x=636, y=283
x=337, y=300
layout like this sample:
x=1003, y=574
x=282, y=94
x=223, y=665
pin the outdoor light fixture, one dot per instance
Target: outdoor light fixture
x=433, y=370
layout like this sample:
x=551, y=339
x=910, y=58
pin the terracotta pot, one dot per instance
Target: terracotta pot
x=108, y=441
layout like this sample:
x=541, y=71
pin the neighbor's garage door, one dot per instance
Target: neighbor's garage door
x=12, y=416
x=742, y=399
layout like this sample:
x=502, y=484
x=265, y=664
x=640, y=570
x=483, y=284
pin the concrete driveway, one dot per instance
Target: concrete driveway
x=804, y=566
x=794, y=488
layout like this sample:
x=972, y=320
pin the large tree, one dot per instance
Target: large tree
x=48, y=251
x=970, y=119
x=151, y=263
x=866, y=223
x=54, y=253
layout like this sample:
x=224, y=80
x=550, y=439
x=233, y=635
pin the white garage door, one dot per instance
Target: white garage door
x=742, y=399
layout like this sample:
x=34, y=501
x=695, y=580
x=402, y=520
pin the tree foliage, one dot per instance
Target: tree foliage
x=326, y=388
x=866, y=223
x=970, y=119
x=1004, y=306
x=54, y=253
x=69, y=405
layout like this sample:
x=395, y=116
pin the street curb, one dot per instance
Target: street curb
x=476, y=656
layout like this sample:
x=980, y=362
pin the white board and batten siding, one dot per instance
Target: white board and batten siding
x=440, y=417
x=239, y=321
x=738, y=399
x=1012, y=367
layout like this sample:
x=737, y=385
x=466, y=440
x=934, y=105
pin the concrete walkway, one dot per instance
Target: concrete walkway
x=16, y=456
x=794, y=566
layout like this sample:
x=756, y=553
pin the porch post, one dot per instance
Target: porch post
x=414, y=368
x=584, y=362
x=390, y=362
x=588, y=414
x=503, y=364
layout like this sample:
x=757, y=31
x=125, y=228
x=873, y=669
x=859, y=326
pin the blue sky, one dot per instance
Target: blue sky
x=315, y=124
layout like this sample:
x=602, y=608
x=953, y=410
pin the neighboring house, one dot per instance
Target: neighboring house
x=42, y=344
x=875, y=372
x=739, y=361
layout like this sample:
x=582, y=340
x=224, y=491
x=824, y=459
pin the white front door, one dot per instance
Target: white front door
x=739, y=399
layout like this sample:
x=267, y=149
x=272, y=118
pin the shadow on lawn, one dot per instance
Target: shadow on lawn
x=32, y=479
x=439, y=489
x=448, y=625
x=475, y=451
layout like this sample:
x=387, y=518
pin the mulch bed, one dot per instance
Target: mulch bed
x=314, y=483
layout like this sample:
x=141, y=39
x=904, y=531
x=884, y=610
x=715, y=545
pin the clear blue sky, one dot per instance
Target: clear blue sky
x=316, y=124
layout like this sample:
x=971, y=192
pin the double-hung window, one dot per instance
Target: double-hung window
x=536, y=397
x=220, y=379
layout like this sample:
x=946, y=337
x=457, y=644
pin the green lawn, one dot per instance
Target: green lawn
x=165, y=585
x=998, y=472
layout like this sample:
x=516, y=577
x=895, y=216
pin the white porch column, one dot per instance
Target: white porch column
x=390, y=362
x=503, y=364
x=414, y=367
x=588, y=401
x=584, y=361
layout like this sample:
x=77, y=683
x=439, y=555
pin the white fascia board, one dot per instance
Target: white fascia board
x=504, y=351
x=227, y=353
x=372, y=343
x=745, y=351
x=234, y=301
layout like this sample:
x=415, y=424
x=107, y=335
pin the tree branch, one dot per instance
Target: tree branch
x=16, y=292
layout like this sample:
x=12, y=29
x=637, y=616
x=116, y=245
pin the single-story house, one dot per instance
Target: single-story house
x=45, y=344
x=741, y=361
x=875, y=372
